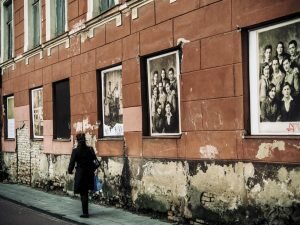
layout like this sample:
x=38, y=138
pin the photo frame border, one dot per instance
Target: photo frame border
x=102, y=73
x=253, y=84
x=148, y=94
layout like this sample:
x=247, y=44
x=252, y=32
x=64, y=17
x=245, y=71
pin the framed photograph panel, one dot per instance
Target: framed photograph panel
x=10, y=117
x=274, y=65
x=37, y=112
x=112, y=102
x=163, y=82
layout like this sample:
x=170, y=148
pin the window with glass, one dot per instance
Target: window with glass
x=60, y=16
x=32, y=24
x=56, y=14
x=37, y=112
x=96, y=7
x=36, y=22
x=9, y=117
x=106, y=4
x=7, y=30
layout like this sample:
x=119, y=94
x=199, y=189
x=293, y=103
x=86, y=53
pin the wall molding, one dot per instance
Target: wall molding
x=86, y=30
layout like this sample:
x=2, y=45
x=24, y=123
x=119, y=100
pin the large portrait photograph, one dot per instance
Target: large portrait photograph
x=274, y=65
x=163, y=81
x=112, y=102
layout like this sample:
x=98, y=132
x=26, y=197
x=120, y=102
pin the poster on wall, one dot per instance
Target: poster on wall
x=274, y=65
x=112, y=102
x=37, y=112
x=163, y=73
x=10, y=104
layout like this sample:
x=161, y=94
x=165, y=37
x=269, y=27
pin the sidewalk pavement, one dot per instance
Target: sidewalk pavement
x=69, y=209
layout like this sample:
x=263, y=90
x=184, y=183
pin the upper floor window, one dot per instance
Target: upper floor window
x=96, y=7
x=32, y=23
x=7, y=30
x=56, y=14
x=106, y=4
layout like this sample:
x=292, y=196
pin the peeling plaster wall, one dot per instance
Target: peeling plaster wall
x=231, y=193
x=29, y=165
x=265, y=149
x=86, y=127
x=214, y=193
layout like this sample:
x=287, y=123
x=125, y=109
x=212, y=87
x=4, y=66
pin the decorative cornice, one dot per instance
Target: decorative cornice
x=86, y=30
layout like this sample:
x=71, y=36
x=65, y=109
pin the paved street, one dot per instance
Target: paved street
x=14, y=214
x=65, y=207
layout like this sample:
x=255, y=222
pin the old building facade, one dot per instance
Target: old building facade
x=89, y=66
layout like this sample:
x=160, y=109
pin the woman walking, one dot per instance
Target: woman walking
x=83, y=156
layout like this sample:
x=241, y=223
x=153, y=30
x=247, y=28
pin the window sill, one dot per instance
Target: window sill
x=32, y=51
x=271, y=137
x=111, y=139
x=61, y=140
x=6, y=62
x=163, y=137
x=9, y=139
x=37, y=139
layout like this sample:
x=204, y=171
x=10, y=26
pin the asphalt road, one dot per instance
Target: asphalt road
x=14, y=214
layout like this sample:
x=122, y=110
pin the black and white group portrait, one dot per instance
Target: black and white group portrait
x=112, y=102
x=274, y=65
x=163, y=93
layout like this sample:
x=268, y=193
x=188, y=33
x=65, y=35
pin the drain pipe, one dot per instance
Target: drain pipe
x=19, y=128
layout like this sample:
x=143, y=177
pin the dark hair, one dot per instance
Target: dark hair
x=80, y=137
x=293, y=42
x=171, y=69
x=271, y=86
x=169, y=103
x=286, y=58
x=286, y=84
x=157, y=104
x=263, y=65
x=268, y=47
x=155, y=72
x=280, y=43
x=167, y=82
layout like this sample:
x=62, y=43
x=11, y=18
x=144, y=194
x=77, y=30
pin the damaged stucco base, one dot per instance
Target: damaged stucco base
x=198, y=191
x=227, y=193
x=211, y=192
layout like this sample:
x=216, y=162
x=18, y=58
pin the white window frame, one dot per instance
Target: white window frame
x=39, y=113
x=4, y=46
x=28, y=24
x=10, y=123
x=51, y=18
x=93, y=8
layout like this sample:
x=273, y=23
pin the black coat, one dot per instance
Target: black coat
x=292, y=114
x=172, y=127
x=83, y=157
